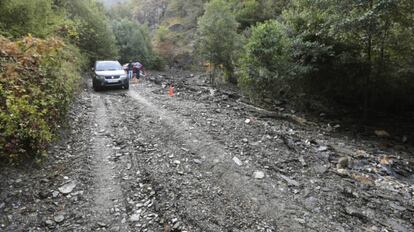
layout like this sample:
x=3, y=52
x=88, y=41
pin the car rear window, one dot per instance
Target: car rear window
x=108, y=65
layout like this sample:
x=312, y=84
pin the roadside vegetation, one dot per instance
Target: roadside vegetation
x=45, y=47
x=359, y=54
x=352, y=54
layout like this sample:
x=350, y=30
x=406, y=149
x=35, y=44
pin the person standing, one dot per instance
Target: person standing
x=140, y=69
x=130, y=70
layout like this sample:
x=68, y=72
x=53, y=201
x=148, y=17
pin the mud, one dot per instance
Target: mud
x=205, y=160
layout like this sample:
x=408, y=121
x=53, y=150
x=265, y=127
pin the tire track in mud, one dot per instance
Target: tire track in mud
x=137, y=195
x=257, y=200
x=107, y=189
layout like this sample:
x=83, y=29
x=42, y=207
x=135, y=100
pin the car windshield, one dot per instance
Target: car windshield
x=108, y=66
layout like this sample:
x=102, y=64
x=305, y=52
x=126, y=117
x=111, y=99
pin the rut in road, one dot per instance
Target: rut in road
x=260, y=199
x=107, y=189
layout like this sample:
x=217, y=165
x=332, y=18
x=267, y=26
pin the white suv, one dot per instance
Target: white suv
x=109, y=73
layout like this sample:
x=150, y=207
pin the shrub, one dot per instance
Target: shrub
x=218, y=39
x=267, y=59
x=21, y=17
x=37, y=79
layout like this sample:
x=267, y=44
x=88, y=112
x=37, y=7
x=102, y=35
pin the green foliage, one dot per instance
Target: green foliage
x=21, y=17
x=189, y=10
x=351, y=47
x=218, y=40
x=267, y=58
x=134, y=42
x=250, y=12
x=37, y=80
x=96, y=38
x=131, y=40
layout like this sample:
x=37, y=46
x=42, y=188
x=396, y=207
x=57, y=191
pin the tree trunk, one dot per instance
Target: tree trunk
x=367, y=88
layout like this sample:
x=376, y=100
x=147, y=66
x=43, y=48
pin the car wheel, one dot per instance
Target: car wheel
x=96, y=86
x=126, y=86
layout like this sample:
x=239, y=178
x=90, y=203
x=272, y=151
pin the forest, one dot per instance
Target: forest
x=357, y=54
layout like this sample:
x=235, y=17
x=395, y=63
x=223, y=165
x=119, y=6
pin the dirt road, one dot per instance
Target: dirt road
x=139, y=160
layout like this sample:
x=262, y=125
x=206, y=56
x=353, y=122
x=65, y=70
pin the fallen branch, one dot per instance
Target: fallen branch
x=263, y=113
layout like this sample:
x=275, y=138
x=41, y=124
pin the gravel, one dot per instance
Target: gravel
x=139, y=160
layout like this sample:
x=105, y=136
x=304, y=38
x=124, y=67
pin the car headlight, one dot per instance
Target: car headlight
x=124, y=76
x=100, y=77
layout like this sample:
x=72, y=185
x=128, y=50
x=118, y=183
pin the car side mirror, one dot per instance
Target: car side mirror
x=93, y=69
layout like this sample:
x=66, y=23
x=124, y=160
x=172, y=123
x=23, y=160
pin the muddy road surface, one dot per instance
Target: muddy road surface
x=203, y=160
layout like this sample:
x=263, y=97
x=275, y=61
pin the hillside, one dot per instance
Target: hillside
x=172, y=25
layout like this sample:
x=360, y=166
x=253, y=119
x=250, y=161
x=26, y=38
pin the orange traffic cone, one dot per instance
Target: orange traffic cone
x=171, y=91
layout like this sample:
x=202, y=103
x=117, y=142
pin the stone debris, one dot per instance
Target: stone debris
x=204, y=162
x=258, y=175
x=67, y=188
x=59, y=218
x=237, y=161
x=135, y=217
x=343, y=163
x=290, y=181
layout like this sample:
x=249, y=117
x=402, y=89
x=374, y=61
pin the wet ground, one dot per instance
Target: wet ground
x=203, y=160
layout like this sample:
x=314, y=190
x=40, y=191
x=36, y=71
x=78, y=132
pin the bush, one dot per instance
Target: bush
x=133, y=42
x=21, y=17
x=37, y=80
x=218, y=40
x=267, y=59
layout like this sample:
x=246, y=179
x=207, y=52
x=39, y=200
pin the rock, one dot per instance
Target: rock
x=311, y=203
x=237, y=161
x=302, y=161
x=356, y=212
x=342, y=172
x=321, y=169
x=67, y=188
x=245, y=140
x=59, y=218
x=197, y=161
x=268, y=100
x=289, y=181
x=101, y=224
x=398, y=225
x=176, y=226
x=134, y=217
x=55, y=194
x=382, y=133
x=386, y=160
x=43, y=194
x=49, y=223
x=343, y=163
x=258, y=175
x=247, y=121
x=322, y=148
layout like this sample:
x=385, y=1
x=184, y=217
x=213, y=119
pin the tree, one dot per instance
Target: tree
x=96, y=38
x=250, y=12
x=267, y=58
x=218, y=39
x=20, y=17
x=133, y=41
x=351, y=47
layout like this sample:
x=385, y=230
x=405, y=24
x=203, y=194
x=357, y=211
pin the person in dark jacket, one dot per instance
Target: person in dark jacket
x=130, y=70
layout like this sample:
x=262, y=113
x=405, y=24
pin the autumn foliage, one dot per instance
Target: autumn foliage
x=37, y=80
